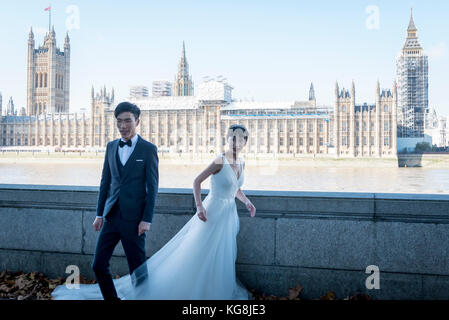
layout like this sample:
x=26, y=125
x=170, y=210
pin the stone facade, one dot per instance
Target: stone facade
x=194, y=124
x=321, y=240
x=365, y=130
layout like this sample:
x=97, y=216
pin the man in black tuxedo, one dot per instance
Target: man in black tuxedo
x=127, y=197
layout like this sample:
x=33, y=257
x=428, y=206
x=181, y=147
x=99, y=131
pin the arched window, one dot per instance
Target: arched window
x=57, y=82
x=62, y=82
x=36, y=80
x=40, y=108
x=40, y=80
x=45, y=84
x=385, y=108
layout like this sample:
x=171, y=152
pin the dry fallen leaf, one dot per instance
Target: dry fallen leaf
x=35, y=286
x=328, y=296
x=294, y=292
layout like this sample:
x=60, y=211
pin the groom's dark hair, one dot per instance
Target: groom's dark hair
x=127, y=107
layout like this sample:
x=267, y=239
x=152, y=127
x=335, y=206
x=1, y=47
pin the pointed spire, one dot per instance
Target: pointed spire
x=353, y=90
x=67, y=39
x=411, y=24
x=30, y=40
x=411, y=45
x=378, y=88
x=93, y=92
x=311, y=92
x=112, y=95
x=183, y=50
x=183, y=85
x=395, y=88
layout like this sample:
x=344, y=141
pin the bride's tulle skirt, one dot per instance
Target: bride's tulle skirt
x=197, y=263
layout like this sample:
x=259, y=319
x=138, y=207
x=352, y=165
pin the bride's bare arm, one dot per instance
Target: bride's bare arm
x=214, y=167
x=241, y=196
x=249, y=205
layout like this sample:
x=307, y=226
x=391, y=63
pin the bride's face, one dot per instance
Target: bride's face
x=236, y=139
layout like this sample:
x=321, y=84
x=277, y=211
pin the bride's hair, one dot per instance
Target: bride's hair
x=234, y=127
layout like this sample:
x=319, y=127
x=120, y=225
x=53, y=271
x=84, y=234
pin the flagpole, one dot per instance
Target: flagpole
x=49, y=19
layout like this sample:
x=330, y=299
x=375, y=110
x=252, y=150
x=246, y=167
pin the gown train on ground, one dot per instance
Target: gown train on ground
x=198, y=263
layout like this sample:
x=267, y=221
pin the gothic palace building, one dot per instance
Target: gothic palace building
x=187, y=123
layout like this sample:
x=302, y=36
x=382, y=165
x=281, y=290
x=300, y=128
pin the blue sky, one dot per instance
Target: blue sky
x=268, y=50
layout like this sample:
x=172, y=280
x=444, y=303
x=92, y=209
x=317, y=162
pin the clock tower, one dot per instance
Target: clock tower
x=412, y=81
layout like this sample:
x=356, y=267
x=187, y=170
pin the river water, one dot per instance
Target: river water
x=395, y=180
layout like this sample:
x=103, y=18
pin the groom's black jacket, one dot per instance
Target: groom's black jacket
x=137, y=186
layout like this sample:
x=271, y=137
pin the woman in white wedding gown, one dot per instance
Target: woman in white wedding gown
x=198, y=263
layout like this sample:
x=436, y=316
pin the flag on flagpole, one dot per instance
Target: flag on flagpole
x=49, y=16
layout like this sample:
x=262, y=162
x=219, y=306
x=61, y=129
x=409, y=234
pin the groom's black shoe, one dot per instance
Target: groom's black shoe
x=106, y=285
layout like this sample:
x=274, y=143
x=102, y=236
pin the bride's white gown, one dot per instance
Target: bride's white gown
x=197, y=263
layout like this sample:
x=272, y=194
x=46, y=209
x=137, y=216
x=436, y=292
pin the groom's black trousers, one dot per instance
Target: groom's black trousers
x=115, y=229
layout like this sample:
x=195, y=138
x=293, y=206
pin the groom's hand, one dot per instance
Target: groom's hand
x=143, y=227
x=98, y=223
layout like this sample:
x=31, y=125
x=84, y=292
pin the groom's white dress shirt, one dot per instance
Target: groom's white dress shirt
x=125, y=152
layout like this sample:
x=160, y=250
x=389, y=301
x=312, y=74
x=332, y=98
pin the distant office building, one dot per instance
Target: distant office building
x=161, y=89
x=215, y=90
x=138, y=92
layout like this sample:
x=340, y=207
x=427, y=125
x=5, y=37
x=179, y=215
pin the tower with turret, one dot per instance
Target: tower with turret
x=386, y=120
x=365, y=130
x=101, y=103
x=344, y=120
x=48, y=75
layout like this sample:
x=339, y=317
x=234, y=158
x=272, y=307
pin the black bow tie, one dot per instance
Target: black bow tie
x=121, y=143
